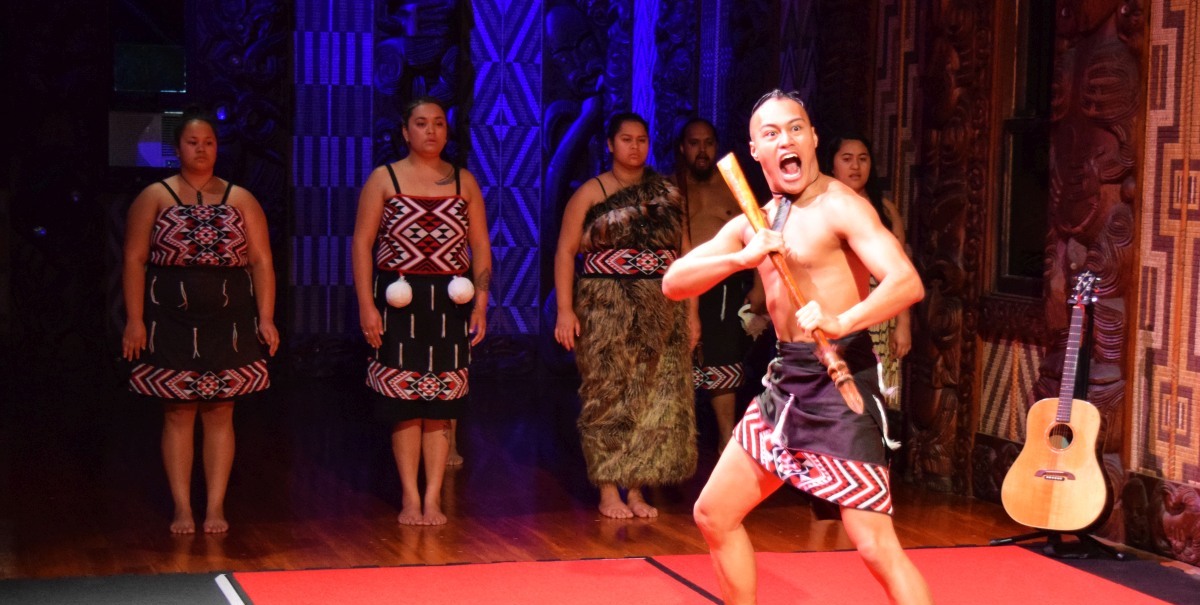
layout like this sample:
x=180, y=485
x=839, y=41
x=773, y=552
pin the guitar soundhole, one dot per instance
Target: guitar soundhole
x=1061, y=436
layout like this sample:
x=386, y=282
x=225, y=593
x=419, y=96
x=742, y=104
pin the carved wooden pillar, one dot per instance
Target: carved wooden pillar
x=952, y=120
x=1095, y=141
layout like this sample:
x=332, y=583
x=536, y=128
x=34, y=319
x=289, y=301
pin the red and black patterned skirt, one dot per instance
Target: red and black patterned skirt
x=421, y=369
x=201, y=336
x=801, y=430
x=719, y=359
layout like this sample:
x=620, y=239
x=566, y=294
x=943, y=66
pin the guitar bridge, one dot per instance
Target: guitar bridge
x=1055, y=475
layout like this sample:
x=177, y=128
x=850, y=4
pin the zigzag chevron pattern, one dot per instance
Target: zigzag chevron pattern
x=189, y=385
x=423, y=235
x=408, y=385
x=200, y=235
x=506, y=47
x=848, y=483
x=712, y=378
x=1010, y=369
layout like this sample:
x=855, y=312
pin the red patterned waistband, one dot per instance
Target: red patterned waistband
x=628, y=262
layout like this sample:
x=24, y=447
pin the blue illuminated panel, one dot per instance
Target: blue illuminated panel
x=331, y=155
x=506, y=158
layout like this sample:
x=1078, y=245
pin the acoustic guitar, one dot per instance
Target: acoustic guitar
x=1056, y=483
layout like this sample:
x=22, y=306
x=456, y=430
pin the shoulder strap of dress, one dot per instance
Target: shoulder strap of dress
x=392, y=173
x=601, y=183
x=225, y=198
x=457, y=182
x=178, y=202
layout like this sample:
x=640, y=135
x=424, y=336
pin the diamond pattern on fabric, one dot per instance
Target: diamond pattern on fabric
x=406, y=384
x=199, y=235
x=712, y=378
x=426, y=235
x=628, y=261
x=188, y=385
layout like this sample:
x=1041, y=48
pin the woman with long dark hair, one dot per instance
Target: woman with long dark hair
x=850, y=161
x=632, y=345
x=420, y=228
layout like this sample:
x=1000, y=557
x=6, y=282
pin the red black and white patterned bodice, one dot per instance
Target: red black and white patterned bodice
x=206, y=235
x=423, y=235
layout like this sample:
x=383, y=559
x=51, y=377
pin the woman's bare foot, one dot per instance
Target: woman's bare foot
x=409, y=515
x=183, y=523
x=611, y=505
x=639, y=506
x=433, y=516
x=215, y=524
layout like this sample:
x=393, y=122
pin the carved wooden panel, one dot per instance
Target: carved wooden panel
x=1095, y=137
x=952, y=122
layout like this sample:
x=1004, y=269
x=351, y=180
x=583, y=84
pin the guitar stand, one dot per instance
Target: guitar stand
x=1086, y=547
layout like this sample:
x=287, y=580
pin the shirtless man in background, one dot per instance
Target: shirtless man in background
x=708, y=203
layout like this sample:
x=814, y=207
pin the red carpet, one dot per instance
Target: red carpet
x=598, y=582
x=983, y=575
x=968, y=575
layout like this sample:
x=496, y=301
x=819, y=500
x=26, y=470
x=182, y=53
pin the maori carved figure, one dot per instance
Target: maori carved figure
x=575, y=41
x=954, y=158
x=674, y=78
x=1162, y=516
x=1095, y=110
x=242, y=76
x=1180, y=518
x=416, y=54
x=618, y=66
x=574, y=122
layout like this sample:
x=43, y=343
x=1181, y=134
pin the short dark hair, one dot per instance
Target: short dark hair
x=412, y=106
x=193, y=114
x=691, y=122
x=778, y=94
x=619, y=118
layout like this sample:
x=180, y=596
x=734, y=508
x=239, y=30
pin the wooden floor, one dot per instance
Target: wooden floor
x=314, y=486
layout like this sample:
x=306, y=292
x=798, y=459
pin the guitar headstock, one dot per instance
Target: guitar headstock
x=1084, y=285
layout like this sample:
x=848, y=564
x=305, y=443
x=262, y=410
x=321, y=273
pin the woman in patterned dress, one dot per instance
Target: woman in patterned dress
x=850, y=162
x=420, y=228
x=632, y=345
x=199, y=291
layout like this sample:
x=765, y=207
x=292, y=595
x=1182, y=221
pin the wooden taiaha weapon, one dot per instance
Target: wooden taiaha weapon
x=834, y=364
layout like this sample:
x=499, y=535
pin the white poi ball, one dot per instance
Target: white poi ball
x=398, y=293
x=461, y=290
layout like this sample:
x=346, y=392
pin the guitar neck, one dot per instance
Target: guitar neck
x=1066, y=393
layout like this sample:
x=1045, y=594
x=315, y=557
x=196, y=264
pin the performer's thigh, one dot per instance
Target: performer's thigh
x=736, y=486
x=869, y=529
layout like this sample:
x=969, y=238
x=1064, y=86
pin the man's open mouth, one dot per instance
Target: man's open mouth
x=790, y=164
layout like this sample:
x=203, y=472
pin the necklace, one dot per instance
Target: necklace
x=199, y=196
x=616, y=178
x=446, y=180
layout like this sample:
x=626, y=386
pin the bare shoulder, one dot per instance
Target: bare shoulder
x=467, y=179
x=589, y=193
x=839, y=200
x=155, y=195
x=243, y=200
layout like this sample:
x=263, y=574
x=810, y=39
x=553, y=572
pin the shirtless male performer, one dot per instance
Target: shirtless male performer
x=799, y=430
x=709, y=204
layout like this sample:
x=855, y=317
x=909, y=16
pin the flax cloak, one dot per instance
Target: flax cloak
x=637, y=421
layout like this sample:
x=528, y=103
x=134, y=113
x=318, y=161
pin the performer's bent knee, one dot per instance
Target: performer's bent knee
x=710, y=520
